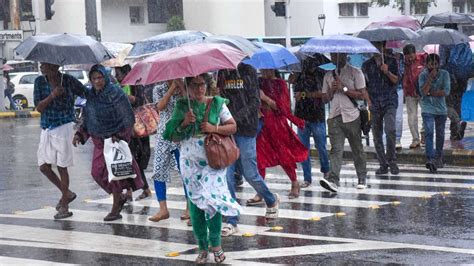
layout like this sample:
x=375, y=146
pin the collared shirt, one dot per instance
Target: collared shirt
x=353, y=79
x=431, y=104
x=61, y=110
x=382, y=92
x=410, y=77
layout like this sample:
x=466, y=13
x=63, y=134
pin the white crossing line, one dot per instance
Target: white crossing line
x=389, y=182
x=403, y=173
x=18, y=261
x=303, y=199
x=353, y=190
x=409, y=167
x=251, y=211
x=130, y=219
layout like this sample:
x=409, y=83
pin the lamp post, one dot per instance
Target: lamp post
x=322, y=22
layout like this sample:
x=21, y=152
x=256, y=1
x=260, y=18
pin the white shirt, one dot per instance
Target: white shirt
x=353, y=79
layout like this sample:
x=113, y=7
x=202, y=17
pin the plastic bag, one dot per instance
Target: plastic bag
x=118, y=159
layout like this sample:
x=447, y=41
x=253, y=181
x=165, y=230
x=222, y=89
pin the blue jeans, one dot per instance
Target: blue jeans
x=433, y=122
x=318, y=130
x=248, y=163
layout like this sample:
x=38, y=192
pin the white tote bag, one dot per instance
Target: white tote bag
x=118, y=159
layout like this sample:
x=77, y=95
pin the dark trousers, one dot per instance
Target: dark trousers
x=383, y=120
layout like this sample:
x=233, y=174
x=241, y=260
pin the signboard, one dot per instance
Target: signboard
x=11, y=35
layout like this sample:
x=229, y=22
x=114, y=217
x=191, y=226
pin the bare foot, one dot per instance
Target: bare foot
x=159, y=216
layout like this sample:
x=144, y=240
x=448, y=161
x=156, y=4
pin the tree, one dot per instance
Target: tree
x=175, y=23
x=401, y=3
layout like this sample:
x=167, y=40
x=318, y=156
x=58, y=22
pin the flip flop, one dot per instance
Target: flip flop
x=62, y=215
x=253, y=202
x=112, y=217
x=71, y=199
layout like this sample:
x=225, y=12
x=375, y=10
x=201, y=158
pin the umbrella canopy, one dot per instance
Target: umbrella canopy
x=237, y=42
x=7, y=68
x=273, y=56
x=120, y=51
x=398, y=21
x=387, y=33
x=446, y=18
x=63, y=49
x=338, y=44
x=165, y=41
x=440, y=36
x=184, y=61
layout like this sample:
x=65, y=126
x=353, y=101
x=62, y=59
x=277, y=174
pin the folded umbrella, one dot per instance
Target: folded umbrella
x=273, y=56
x=187, y=60
x=63, y=49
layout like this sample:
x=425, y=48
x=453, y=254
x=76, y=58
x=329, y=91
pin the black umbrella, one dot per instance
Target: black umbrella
x=387, y=33
x=440, y=36
x=237, y=42
x=63, y=49
x=446, y=18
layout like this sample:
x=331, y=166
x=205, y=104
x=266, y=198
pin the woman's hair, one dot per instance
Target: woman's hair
x=96, y=68
x=409, y=49
x=432, y=58
x=189, y=79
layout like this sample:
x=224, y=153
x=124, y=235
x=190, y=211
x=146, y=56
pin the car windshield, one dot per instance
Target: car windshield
x=78, y=74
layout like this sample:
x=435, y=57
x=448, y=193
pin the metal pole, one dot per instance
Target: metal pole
x=2, y=88
x=406, y=11
x=36, y=12
x=287, y=20
x=15, y=14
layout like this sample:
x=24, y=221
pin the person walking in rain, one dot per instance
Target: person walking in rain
x=381, y=74
x=339, y=86
x=241, y=88
x=54, y=95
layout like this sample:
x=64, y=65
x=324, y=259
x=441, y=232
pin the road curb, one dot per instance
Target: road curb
x=19, y=114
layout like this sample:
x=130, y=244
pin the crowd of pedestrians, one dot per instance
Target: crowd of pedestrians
x=256, y=111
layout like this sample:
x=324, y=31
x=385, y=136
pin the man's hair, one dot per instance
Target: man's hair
x=125, y=69
x=432, y=58
x=409, y=49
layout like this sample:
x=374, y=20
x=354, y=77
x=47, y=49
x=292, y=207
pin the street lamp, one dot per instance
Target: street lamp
x=322, y=22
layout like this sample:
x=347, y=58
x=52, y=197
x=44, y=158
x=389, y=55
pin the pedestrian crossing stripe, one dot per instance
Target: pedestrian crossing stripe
x=408, y=167
x=19, y=261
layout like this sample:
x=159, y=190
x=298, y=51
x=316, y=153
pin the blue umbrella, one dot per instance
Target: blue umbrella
x=338, y=44
x=273, y=56
x=165, y=41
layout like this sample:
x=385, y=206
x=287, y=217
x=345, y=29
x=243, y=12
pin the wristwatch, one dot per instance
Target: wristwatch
x=345, y=89
x=428, y=94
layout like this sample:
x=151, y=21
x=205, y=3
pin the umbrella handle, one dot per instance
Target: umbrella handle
x=187, y=93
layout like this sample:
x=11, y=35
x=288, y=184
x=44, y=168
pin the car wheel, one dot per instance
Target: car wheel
x=20, y=101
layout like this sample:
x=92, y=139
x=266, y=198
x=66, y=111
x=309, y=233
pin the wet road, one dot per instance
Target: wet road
x=413, y=218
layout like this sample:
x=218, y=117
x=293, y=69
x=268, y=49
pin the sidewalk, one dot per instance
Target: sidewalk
x=19, y=114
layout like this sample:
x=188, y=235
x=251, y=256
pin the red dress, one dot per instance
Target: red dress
x=277, y=143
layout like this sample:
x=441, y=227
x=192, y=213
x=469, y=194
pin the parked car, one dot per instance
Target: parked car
x=24, y=85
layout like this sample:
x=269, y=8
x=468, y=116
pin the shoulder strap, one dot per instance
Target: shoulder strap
x=350, y=98
x=208, y=108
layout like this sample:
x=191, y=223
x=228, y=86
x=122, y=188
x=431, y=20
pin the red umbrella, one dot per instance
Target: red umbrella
x=187, y=60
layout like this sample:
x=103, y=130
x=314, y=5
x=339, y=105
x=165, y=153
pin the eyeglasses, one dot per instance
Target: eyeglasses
x=198, y=85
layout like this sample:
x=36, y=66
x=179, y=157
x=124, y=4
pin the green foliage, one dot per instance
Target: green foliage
x=401, y=3
x=175, y=23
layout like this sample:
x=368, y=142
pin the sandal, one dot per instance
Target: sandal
x=112, y=217
x=272, y=212
x=295, y=191
x=228, y=230
x=157, y=217
x=257, y=200
x=142, y=196
x=63, y=213
x=202, y=257
x=185, y=216
x=74, y=196
x=219, y=256
x=189, y=223
x=305, y=184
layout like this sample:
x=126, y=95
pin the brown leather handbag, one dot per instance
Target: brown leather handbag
x=221, y=150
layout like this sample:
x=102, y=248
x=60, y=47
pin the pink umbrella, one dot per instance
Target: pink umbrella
x=399, y=21
x=7, y=67
x=187, y=60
